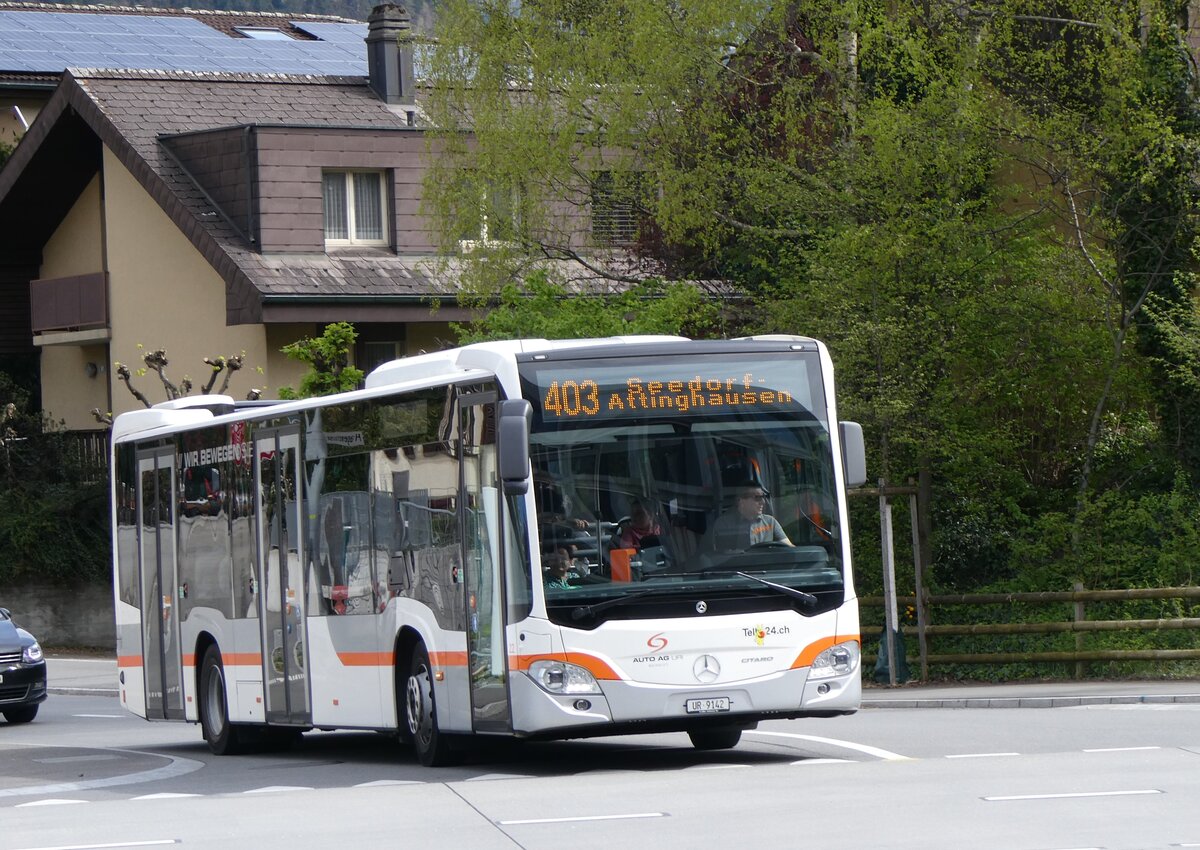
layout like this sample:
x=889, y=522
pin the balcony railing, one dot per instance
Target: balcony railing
x=68, y=303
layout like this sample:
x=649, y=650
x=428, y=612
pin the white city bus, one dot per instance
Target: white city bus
x=392, y=558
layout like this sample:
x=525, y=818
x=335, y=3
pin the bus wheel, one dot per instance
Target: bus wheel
x=718, y=738
x=222, y=736
x=420, y=713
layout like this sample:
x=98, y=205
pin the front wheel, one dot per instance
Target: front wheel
x=715, y=739
x=420, y=713
x=223, y=737
x=21, y=715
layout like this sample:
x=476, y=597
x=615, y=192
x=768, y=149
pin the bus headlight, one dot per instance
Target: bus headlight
x=835, y=661
x=559, y=677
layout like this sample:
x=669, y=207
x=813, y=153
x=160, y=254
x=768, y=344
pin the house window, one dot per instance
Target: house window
x=264, y=33
x=355, y=207
x=378, y=353
x=496, y=216
x=616, y=207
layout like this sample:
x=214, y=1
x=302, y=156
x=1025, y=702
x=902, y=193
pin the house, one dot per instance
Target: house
x=213, y=212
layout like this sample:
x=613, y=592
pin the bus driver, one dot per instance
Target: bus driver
x=746, y=524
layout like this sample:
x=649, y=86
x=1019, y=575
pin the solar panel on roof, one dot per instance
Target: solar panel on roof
x=333, y=32
x=48, y=42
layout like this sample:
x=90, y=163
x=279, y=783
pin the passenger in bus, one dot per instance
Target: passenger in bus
x=559, y=574
x=635, y=532
x=746, y=524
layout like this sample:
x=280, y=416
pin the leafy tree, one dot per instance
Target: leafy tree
x=542, y=309
x=986, y=210
x=328, y=357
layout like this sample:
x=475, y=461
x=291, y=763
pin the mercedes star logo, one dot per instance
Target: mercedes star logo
x=706, y=668
x=701, y=607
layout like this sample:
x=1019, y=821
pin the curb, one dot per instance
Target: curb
x=1029, y=702
x=83, y=692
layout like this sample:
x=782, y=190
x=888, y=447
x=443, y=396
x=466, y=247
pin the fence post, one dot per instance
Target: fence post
x=1080, y=616
x=918, y=580
x=891, y=615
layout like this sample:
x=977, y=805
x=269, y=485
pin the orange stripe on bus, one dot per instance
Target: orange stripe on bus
x=810, y=652
x=242, y=659
x=591, y=663
x=448, y=659
x=129, y=661
x=370, y=659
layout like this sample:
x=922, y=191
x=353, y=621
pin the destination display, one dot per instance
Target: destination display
x=607, y=391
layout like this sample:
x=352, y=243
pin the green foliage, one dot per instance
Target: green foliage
x=53, y=506
x=541, y=309
x=988, y=212
x=328, y=358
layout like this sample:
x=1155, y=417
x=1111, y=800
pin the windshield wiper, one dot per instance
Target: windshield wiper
x=806, y=598
x=587, y=610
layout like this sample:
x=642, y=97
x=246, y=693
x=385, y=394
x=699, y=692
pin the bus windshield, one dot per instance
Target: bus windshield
x=657, y=479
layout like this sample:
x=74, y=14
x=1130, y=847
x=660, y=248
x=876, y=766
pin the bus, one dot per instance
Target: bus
x=448, y=553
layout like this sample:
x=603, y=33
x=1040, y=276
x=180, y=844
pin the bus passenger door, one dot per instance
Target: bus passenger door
x=281, y=577
x=487, y=658
x=161, y=654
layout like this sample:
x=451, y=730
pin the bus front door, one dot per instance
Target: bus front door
x=487, y=658
x=161, y=655
x=280, y=567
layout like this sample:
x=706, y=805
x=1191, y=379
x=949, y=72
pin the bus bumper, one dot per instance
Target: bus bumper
x=626, y=706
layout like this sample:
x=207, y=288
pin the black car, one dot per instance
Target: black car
x=22, y=672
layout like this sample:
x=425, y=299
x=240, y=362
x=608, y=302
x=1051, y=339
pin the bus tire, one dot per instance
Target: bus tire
x=430, y=744
x=224, y=738
x=716, y=738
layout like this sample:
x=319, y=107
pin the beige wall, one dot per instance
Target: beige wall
x=428, y=337
x=10, y=128
x=68, y=392
x=282, y=370
x=163, y=294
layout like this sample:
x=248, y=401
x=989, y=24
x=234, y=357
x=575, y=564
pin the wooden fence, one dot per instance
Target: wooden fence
x=1079, y=625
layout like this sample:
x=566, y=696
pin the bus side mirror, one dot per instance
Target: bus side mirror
x=516, y=420
x=854, y=454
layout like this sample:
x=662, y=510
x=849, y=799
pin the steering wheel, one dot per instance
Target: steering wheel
x=770, y=545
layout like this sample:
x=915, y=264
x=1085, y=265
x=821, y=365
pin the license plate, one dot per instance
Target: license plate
x=707, y=705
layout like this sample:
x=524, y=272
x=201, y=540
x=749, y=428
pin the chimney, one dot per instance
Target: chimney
x=390, y=54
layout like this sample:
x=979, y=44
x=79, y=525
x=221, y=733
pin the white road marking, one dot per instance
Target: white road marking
x=177, y=767
x=165, y=795
x=271, y=789
x=498, y=776
x=105, y=716
x=583, y=818
x=848, y=745
x=1119, y=749
x=379, y=783
x=979, y=755
x=49, y=803
x=824, y=761
x=1075, y=794
x=157, y=843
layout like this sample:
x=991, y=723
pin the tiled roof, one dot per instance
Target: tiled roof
x=141, y=108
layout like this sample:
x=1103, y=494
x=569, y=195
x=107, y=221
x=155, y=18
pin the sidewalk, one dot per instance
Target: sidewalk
x=97, y=676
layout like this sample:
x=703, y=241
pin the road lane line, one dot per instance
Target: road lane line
x=1119, y=749
x=834, y=742
x=979, y=755
x=1074, y=794
x=583, y=818
x=157, y=843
